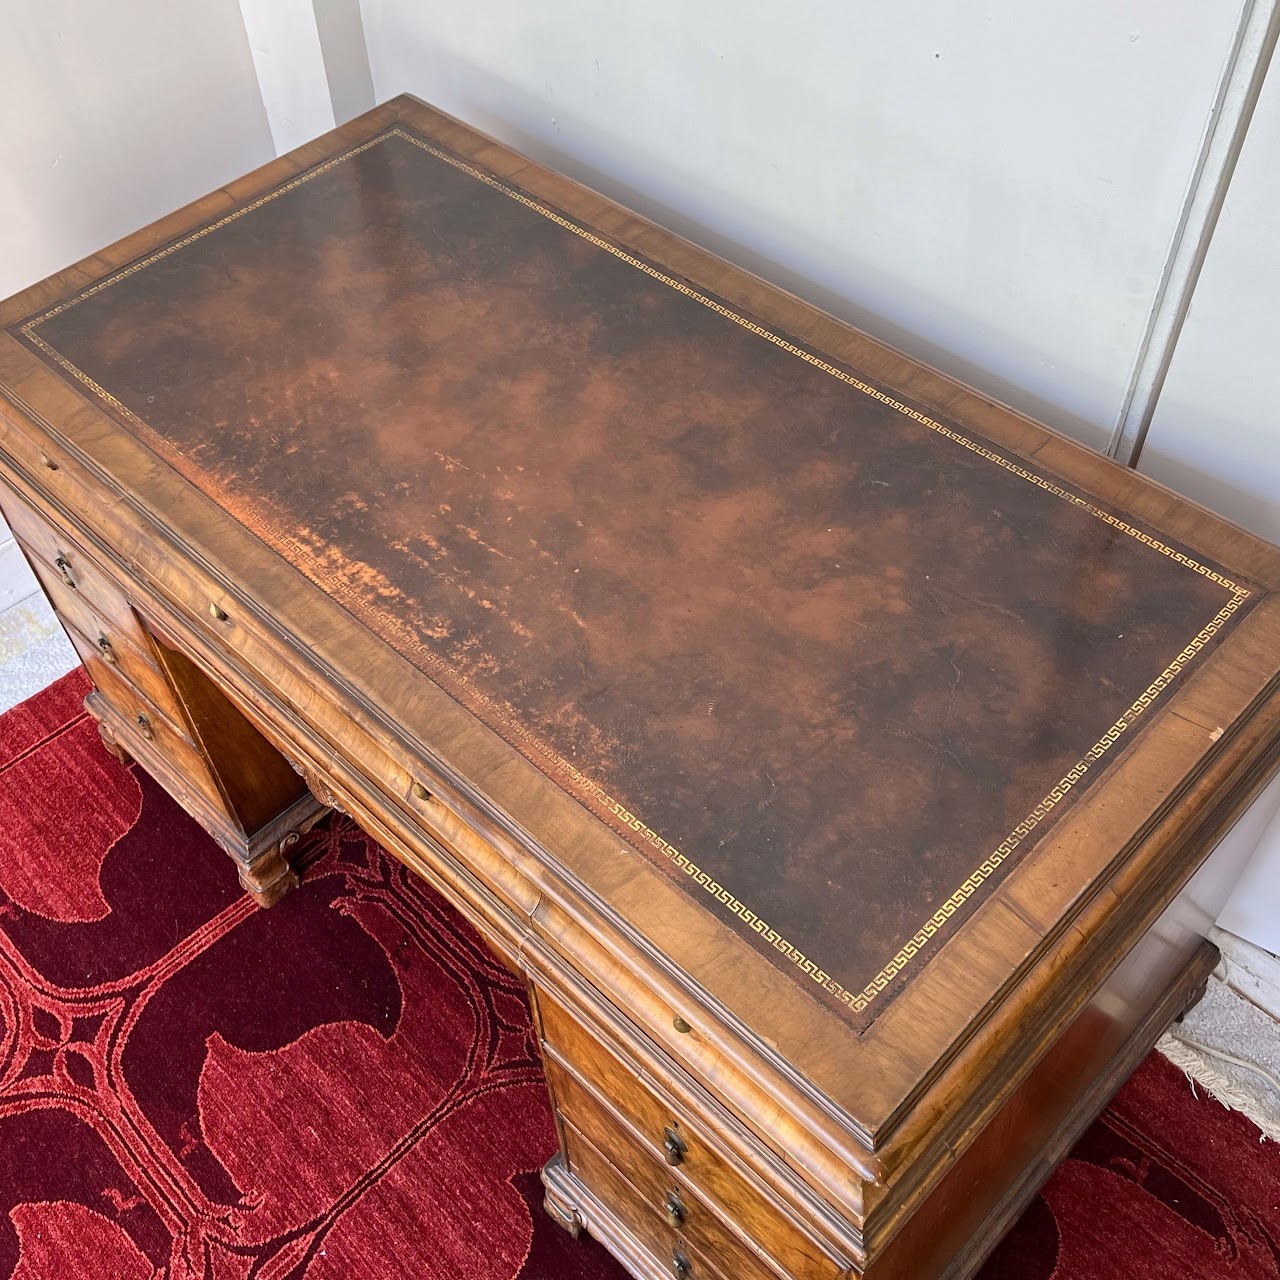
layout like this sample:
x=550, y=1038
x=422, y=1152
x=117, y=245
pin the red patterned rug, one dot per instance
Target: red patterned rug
x=348, y=1085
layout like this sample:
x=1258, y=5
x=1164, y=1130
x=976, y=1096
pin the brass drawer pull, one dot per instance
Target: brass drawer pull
x=48, y=462
x=144, y=727
x=673, y=1146
x=680, y=1267
x=420, y=792
x=63, y=566
x=216, y=611
x=108, y=653
x=673, y=1209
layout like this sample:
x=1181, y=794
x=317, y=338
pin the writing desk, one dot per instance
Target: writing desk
x=821, y=740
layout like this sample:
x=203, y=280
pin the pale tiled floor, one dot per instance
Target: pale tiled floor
x=34, y=652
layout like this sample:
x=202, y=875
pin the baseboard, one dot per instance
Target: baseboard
x=1250, y=970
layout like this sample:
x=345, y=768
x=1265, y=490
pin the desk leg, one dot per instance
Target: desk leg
x=560, y=1203
x=214, y=762
x=269, y=876
x=112, y=744
x=264, y=865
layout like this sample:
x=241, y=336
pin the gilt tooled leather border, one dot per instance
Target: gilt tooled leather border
x=589, y=792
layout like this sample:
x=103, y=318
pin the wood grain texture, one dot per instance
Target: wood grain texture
x=705, y=1245
x=164, y=709
x=261, y=784
x=706, y=1207
x=815, y=653
x=590, y=1076
x=1016, y=1021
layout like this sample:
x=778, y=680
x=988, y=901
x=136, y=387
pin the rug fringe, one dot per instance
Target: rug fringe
x=1199, y=1069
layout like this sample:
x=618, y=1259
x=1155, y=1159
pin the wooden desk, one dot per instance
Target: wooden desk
x=821, y=740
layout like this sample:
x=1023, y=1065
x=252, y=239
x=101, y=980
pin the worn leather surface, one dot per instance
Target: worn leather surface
x=837, y=661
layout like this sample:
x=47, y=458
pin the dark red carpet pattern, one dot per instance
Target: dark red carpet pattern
x=348, y=1085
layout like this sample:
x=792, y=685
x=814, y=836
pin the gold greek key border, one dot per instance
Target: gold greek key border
x=856, y=1000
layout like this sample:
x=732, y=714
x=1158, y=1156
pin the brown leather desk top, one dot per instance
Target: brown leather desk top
x=834, y=663
x=836, y=659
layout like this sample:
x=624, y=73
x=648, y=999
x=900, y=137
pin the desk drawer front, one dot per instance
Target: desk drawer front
x=573, y=1054
x=48, y=465
x=673, y=1249
x=40, y=536
x=68, y=574
x=100, y=646
x=147, y=732
x=672, y=1196
x=75, y=611
x=145, y=719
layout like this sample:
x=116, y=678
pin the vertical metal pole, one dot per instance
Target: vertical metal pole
x=1238, y=91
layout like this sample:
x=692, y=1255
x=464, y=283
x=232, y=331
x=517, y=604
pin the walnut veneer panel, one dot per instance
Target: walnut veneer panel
x=834, y=663
x=708, y=654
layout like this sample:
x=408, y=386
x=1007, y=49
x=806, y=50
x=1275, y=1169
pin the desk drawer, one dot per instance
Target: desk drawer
x=98, y=645
x=573, y=1054
x=67, y=572
x=666, y=1192
x=48, y=464
x=147, y=732
x=710, y=1256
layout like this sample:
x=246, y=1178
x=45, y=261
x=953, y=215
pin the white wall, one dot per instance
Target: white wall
x=285, y=42
x=311, y=64
x=1216, y=432
x=346, y=59
x=992, y=185
x=112, y=115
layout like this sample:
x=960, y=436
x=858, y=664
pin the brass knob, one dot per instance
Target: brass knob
x=680, y=1024
x=680, y=1267
x=144, y=727
x=108, y=653
x=673, y=1210
x=216, y=611
x=420, y=792
x=63, y=566
x=673, y=1146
